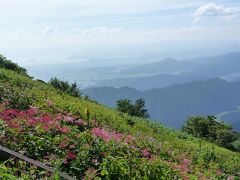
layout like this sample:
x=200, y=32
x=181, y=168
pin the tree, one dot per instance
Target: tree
x=211, y=129
x=66, y=87
x=8, y=64
x=133, y=109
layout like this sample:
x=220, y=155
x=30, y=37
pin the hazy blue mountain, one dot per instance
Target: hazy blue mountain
x=152, y=82
x=165, y=66
x=173, y=105
x=133, y=71
x=178, y=72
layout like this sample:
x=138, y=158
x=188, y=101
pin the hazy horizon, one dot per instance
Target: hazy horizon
x=52, y=32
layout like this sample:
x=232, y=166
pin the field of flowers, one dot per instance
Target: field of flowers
x=90, y=141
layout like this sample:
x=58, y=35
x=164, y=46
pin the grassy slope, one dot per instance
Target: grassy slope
x=178, y=145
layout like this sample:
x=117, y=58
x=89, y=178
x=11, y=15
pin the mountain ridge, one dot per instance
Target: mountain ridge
x=165, y=104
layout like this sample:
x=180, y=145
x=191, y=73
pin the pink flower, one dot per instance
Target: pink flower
x=14, y=125
x=58, y=117
x=107, y=136
x=65, y=129
x=32, y=111
x=63, y=145
x=45, y=127
x=101, y=133
x=79, y=122
x=71, y=155
x=31, y=122
x=186, y=162
x=184, y=167
x=46, y=119
x=69, y=119
x=118, y=137
x=146, y=153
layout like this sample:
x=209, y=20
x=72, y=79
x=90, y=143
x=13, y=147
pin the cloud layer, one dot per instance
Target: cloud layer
x=212, y=9
x=69, y=26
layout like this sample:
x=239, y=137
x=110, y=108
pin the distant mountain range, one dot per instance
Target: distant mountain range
x=173, y=89
x=169, y=72
x=173, y=105
x=132, y=71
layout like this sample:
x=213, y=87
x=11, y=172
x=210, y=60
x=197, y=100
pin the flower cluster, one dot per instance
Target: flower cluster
x=34, y=118
x=184, y=167
x=107, y=135
x=146, y=153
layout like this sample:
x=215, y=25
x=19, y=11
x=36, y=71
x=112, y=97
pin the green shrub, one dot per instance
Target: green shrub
x=66, y=87
x=8, y=64
x=133, y=109
x=211, y=129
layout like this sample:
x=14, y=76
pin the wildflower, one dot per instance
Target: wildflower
x=65, y=129
x=71, y=155
x=101, y=133
x=63, y=145
x=14, y=125
x=69, y=119
x=46, y=119
x=186, y=162
x=184, y=167
x=45, y=127
x=58, y=117
x=31, y=122
x=32, y=111
x=79, y=122
x=146, y=153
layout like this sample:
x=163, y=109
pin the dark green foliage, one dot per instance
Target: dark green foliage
x=134, y=109
x=211, y=129
x=8, y=64
x=66, y=87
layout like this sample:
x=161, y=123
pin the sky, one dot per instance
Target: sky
x=58, y=31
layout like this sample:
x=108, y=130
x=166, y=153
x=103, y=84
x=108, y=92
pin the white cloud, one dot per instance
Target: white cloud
x=49, y=30
x=212, y=9
x=180, y=30
x=97, y=30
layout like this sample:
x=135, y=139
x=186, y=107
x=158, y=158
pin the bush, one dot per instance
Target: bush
x=8, y=64
x=211, y=129
x=134, y=109
x=66, y=87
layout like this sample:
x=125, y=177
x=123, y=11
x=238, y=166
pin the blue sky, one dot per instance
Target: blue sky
x=43, y=31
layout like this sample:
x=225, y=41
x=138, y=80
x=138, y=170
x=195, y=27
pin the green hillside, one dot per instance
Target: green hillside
x=91, y=141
